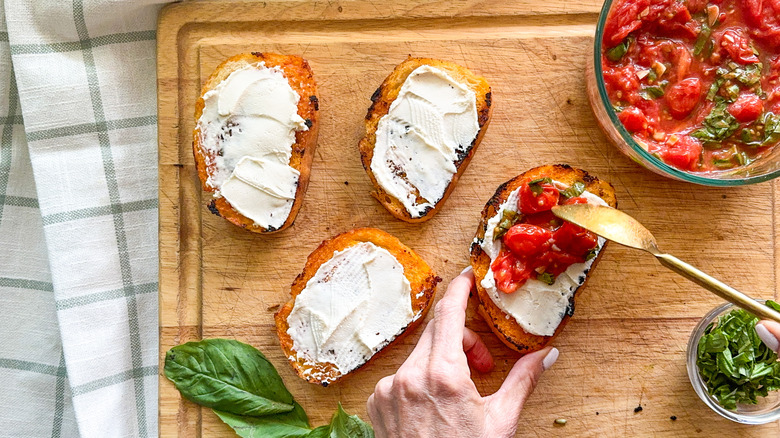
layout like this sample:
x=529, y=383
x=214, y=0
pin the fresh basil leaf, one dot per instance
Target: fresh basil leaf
x=748, y=75
x=702, y=40
x=714, y=88
x=294, y=424
x=592, y=253
x=574, y=190
x=717, y=126
x=545, y=277
x=508, y=219
x=651, y=92
x=723, y=164
x=733, y=92
x=616, y=53
x=771, y=125
x=229, y=376
x=536, y=185
x=343, y=425
x=652, y=76
x=773, y=305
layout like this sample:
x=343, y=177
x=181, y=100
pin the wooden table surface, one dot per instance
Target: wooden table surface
x=625, y=346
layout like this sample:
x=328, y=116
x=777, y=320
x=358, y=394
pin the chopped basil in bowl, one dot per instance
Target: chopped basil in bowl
x=731, y=370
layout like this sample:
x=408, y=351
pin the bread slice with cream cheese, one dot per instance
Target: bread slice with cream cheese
x=257, y=121
x=359, y=293
x=492, y=304
x=422, y=129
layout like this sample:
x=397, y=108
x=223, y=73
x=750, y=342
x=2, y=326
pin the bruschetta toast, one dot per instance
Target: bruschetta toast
x=256, y=129
x=529, y=265
x=424, y=125
x=359, y=292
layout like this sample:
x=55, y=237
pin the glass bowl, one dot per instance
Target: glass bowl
x=763, y=169
x=767, y=409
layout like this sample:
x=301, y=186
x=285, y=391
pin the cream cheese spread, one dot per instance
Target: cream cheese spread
x=356, y=303
x=537, y=307
x=428, y=126
x=249, y=123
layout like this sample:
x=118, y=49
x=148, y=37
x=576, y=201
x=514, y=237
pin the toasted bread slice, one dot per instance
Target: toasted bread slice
x=382, y=99
x=420, y=276
x=505, y=327
x=301, y=80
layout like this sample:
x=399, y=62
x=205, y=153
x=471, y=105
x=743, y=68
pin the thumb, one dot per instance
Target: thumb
x=521, y=381
x=769, y=332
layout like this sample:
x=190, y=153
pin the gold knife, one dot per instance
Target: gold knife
x=614, y=225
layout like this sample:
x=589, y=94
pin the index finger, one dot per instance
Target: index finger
x=450, y=315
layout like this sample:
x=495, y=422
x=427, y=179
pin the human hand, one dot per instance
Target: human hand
x=769, y=332
x=432, y=394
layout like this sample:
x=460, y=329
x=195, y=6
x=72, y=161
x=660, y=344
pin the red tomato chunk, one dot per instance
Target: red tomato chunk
x=696, y=82
x=683, y=96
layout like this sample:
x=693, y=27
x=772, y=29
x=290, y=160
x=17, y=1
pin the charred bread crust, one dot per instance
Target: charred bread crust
x=301, y=79
x=384, y=96
x=506, y=328
x=421, y=277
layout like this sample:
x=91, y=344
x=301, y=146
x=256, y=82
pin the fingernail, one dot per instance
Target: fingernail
x=550, y=359
x=768, y=338
x=466, y=270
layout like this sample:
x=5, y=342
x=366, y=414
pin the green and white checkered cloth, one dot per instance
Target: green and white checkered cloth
x=78, y=218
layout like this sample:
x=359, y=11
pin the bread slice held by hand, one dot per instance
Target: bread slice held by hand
x=257, y=121
x=528, y=318
x=359, y=293
x=425, y=123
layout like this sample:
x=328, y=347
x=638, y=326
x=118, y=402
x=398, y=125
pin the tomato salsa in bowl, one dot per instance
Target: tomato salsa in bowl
x=691, y=89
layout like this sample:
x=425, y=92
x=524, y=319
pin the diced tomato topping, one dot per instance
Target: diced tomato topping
x=540, y=243
x=574, y=239
x=633, y=119
x=746, y=108
x=734, y=41
x=530, y=203
x=527, y=239
x=683, y=154
x=686, y=61
x=683, y=96
x=623, y=19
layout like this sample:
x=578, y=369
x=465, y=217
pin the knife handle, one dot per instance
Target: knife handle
x=718, y=287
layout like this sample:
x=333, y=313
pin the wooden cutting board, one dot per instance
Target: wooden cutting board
x=625, y=346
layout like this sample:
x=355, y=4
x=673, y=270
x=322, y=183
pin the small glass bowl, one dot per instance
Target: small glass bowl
x=767, y=409
x=763, y=169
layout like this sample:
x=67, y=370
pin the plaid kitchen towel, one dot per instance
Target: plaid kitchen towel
x=78, y=218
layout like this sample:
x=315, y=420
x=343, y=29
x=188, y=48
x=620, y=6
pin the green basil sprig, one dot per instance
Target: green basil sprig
x=245, y=391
